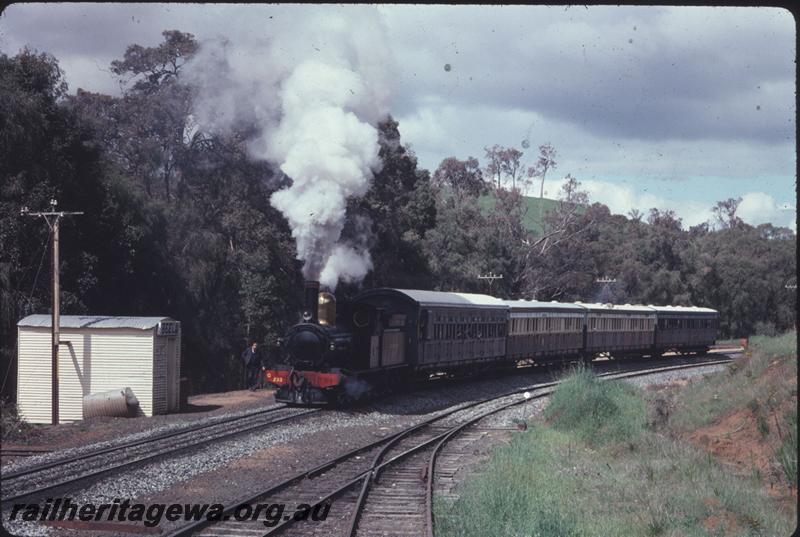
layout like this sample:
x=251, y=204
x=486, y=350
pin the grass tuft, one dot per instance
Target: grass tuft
x=787, y=454
x=598, y=411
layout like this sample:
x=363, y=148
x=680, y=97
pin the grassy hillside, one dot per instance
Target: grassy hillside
x=714, y=456
x=537, y=209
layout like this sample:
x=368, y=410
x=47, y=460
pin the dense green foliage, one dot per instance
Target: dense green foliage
x=178, y=222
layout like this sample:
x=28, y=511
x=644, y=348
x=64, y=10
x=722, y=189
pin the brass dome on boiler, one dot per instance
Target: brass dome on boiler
x=326, y=308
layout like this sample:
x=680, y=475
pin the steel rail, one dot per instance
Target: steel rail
x=133, y=443
x=430, y=473
x=151, y=456
x=370, y=475
x=365, y=476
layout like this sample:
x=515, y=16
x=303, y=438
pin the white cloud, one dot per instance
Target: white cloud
x=622, y=198
x=760, y=208
x=701, y=97
x=439, y=129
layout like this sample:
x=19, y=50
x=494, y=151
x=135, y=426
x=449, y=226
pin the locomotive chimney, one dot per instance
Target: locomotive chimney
x=310, y=301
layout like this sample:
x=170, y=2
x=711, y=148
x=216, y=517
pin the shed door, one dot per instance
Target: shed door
x=394, y=348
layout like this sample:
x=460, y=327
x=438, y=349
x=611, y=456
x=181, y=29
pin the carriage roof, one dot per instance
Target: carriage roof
x=436, y=298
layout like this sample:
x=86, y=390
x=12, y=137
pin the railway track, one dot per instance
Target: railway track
x=384, y=487
x=38, y=479
x=23, y=451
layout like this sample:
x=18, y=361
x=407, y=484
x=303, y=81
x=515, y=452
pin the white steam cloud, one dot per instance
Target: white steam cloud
x=311, y=95
x=345, y=263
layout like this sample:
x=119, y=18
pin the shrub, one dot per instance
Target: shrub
x=765, y=329
x=782, y=345
x=13, y=426
x=598, y=411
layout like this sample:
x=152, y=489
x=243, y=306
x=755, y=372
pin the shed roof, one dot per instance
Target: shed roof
x=438, y=298
x=93, y=321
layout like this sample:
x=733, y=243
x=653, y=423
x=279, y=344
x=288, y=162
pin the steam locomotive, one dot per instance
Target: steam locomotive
x=386, y=337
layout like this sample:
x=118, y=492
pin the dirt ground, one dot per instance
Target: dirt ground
x=79, y=433
x=735, y=440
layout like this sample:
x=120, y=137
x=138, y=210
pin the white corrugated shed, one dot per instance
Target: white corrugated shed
x=98, y=354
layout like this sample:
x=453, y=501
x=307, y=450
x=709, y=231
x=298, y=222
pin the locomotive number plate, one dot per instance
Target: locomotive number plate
x=277, y=380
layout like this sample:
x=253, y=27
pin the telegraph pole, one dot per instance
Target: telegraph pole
x=52, y=217
x=605, y=280
x=491, y=277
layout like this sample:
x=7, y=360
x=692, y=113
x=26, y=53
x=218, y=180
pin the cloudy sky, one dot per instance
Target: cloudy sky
x=666, y=107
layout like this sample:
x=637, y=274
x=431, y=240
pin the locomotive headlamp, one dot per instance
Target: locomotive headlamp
x=332, y=346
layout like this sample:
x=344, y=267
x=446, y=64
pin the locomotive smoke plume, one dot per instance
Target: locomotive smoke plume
x=329, y=153
x=313, y=95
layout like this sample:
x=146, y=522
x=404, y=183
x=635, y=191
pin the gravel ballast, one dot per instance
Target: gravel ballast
x=228, y=469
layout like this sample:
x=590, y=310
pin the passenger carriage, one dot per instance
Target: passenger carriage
x=619, y=329
x=685, y=328
x=544, y=331
x=428, y=329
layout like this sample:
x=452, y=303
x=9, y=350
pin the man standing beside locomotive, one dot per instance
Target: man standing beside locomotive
x=254, y=365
